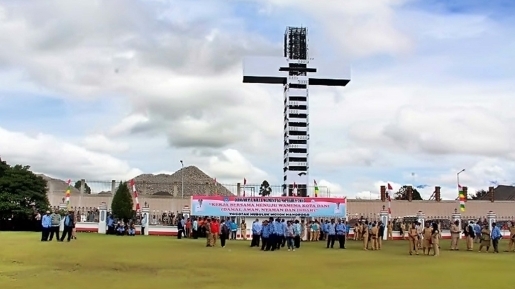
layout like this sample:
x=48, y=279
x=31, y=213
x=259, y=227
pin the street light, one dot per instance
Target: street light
x=458, y=177
x=458, y=180
x=182, y=180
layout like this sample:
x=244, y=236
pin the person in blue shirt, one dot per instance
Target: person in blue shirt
x=272, y=239
x=256, y=233
x=331, y=234
x=233, y=226
x=46, y=223
x=110, y=225
x=120, y=229
x=477, y=232
x=132, y=230
x=265, y=236
x=279, y=233
x=284, y=225
x=69, y=222
x=297, y=230
x=495, y=236
x=341, y=231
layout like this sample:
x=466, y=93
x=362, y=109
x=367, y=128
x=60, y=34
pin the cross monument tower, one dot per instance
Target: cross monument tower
x=296, y=71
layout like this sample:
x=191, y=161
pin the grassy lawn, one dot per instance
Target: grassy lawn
x=96, y=261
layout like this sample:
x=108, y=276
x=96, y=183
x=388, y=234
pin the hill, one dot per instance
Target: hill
x=57, y=186
x=196, y=182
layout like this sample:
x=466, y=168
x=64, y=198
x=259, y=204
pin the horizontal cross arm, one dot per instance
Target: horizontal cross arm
x=263, y=69
x=329, y=72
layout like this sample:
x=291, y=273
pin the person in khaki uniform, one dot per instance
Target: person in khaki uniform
x=455, y=235
x=435, y=240
x=413, y=239
x=373, y=236
x=243, y=230
x=485, y=238
x=207, y=227
x=405, y=229
x=427, y=235
x=390, y=231
x=511, y=246
x=357, y=229
x=364, y=235
x=419, y=231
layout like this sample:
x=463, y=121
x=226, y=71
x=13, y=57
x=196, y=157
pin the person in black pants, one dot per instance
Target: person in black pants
x=68, y=226
x=265, y=236
x=224, y=233
x=46, y=223
x=273, y=239
x=341, y=230
x=331, y=234
x=298, y=231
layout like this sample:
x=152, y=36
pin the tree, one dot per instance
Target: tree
x=479, y=194
x=87, y=189
x=264, y=189
x=402, y=194
x=122, y=204
x=21, y=192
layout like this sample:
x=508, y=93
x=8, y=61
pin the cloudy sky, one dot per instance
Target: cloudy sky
x=107, y=90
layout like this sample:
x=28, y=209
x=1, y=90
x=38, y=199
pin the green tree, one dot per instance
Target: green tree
x=122, y=205
x=87, y=189
x=21, y=192
x=479, y=194
x=265, y=189
x=402, y=194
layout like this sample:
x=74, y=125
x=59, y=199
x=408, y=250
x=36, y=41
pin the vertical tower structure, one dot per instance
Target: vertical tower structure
x=296, y=71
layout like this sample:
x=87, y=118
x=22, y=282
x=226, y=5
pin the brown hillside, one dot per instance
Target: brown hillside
x=58, y=186
x=196, y=182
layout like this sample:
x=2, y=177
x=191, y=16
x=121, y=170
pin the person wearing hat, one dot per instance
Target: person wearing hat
x=46, y=223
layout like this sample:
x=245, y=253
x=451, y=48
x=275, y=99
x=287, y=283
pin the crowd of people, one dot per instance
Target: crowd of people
x=274, y=234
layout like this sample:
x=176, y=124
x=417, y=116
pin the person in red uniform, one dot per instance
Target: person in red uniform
x=215, y=232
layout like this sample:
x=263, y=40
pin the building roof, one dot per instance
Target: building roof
x=502, y=193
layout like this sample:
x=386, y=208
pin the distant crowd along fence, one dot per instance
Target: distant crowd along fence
x=250, y=208
x=177, y=190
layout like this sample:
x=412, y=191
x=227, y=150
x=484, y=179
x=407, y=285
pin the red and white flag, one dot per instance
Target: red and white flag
x=133, y=186
x=294, y=189
x=389, y=191
x=244, y=184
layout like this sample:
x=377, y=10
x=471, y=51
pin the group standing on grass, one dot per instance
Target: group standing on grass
x=51, y=223
x=274, y=234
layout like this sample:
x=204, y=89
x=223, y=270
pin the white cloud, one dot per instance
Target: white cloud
x=334, y=189
x=230, y=165
x=344, y=157
x=46, y=154
x=361, y=28
x=100, y=143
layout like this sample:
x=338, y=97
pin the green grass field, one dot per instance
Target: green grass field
x=99, y=261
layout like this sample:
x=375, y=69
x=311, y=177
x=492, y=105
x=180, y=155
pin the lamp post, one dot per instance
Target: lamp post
x=458, y=180
x=182, y=180
x=458, y=177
